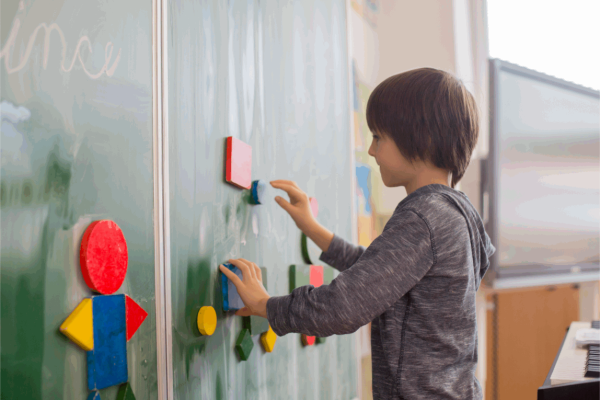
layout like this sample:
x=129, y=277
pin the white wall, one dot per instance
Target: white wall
x=443, y=34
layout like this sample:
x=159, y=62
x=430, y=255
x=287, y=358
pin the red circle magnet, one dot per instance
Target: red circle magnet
x=103, y=256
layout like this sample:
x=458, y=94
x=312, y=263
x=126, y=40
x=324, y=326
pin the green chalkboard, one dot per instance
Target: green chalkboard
x=76, y=147
x=273, y=74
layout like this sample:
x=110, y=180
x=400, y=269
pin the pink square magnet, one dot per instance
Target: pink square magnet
x=238, y=168
x=316, y=275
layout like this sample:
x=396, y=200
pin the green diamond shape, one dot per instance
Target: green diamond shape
x=244, y=344
x=125, y=392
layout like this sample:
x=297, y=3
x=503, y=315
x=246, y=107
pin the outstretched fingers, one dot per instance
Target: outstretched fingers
x=230, y=275
x=285, y=182
x=293, y=191
x=256, y=273
x=245, y=267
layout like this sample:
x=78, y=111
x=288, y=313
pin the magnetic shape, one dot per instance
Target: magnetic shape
x=238, y=168
x=94, y=396
x=255, y=325
x=314, y=206
x=207, y=320
x=327, y=275
x=316, y=275
x=79, y=326
x=107, y=362
x=308, y=340
x=103, y=256
x=247, y=324
x=231, y=298
x=299, y=276
x=258, y=190
x=320, y=340
x=259, y=325
x=125, y=392
x=244, y=344
x=310, y=251
x=134, y=316
x=302, y=275
x=268, y=340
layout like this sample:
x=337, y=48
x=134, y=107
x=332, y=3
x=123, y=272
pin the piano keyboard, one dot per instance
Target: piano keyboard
x=574, y=363
x=592, y=364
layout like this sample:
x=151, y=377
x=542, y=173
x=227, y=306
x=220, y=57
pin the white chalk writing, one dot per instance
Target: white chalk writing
x=84, y=42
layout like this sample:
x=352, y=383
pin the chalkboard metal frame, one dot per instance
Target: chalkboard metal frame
x=162, y=240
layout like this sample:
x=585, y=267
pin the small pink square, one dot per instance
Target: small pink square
x=238, y=168
x=316, y=275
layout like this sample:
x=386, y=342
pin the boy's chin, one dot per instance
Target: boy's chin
x=391, y=183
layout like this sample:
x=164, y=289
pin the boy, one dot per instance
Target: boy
x=417, y=281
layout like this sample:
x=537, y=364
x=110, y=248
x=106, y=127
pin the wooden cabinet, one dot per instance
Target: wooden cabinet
x=525, y=328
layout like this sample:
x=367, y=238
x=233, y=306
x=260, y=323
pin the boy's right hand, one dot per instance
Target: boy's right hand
x=298, y=207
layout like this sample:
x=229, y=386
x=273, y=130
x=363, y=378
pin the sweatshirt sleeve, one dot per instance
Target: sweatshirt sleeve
x=341, y=254
x=388, y=269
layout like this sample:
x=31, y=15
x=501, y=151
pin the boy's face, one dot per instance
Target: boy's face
x=395, y=169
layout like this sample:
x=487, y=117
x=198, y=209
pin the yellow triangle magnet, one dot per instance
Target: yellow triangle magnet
x=79, y=326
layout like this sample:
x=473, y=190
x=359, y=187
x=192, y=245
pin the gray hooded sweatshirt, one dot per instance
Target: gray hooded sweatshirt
x=416, y=283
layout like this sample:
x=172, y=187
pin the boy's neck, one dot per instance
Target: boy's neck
x=426, y=177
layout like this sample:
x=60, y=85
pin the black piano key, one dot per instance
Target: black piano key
x=592, y=374
x=592, y=364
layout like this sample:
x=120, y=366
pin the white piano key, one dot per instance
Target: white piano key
x=571, y=362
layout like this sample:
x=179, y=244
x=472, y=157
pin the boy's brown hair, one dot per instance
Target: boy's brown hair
x=430, y=115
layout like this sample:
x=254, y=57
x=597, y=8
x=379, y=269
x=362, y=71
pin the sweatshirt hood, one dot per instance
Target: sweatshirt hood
x=481, y=244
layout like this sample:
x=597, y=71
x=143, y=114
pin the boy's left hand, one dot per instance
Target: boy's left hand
x=251, y=289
